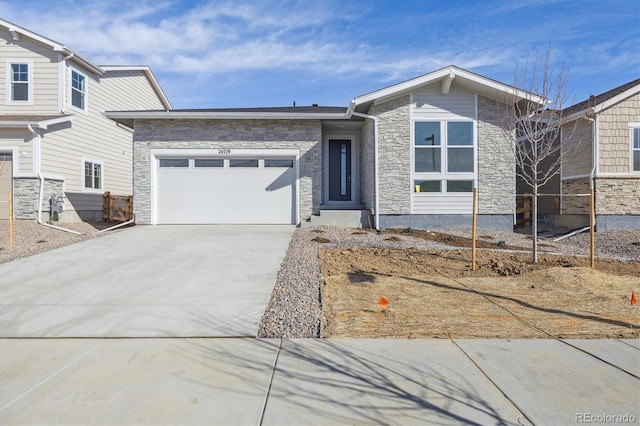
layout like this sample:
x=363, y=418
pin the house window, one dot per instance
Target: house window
x=459, y=186
x=427, y=148
x=92, y=175
x=444, y=156
x=19, y=78
x=427, y=186
x=635, y=149
x=78, y=90
x=18, y=83
x=459, y=147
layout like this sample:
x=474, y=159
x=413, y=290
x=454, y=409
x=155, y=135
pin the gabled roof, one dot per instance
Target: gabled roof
x=446, y=76
x=147, y=71
x=18, y=32
x=313, y=112
x=40, y=121
x=604, y=100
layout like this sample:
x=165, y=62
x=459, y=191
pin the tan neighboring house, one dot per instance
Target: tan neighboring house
x=55, y=142
x=609, y=128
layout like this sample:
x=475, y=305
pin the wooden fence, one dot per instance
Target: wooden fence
x=117, y=207
x=523, y=210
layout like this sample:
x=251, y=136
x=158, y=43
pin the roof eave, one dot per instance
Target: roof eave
x=450, y=73
x=598, y=108
x=55, y=46
x=41, y=124
x=128, y=116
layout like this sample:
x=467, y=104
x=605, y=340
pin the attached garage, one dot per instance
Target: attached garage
x=224, y=186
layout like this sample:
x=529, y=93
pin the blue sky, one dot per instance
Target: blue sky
x=209, y=54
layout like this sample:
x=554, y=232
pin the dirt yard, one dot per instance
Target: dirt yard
x=434, y=294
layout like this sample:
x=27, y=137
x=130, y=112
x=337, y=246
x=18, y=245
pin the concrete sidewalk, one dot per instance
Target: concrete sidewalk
x=314, y=381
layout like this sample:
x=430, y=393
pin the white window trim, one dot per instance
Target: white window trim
x=443, y=176
x=92, y=190
x=632, y=126
x=8, y=63
x=71, y=89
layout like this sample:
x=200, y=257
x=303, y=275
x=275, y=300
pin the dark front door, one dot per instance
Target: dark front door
x=339, y=170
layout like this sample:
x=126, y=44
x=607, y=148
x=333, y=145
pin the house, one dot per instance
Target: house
x=55, y=142
x=608, y=157
x=408, y=155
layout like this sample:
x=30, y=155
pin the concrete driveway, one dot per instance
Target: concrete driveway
x=147, y=281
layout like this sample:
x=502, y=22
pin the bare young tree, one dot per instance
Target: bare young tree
x=540, y=125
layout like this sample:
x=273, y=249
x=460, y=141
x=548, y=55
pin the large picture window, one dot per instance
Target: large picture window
x=444, y=156
x=459, y=147
x=427, y=147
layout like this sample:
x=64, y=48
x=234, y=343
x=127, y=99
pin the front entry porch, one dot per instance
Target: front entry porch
x=341, y=200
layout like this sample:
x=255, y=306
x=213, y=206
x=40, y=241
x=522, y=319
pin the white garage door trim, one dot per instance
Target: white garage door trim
x=223, y=153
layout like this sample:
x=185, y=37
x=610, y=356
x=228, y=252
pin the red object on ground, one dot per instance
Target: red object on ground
x=633, y=298
x=383, y=303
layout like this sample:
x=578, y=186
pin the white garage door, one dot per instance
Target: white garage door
x=256, y=190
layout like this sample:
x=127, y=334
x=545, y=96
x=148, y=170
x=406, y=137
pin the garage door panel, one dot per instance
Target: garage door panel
x=225, y=195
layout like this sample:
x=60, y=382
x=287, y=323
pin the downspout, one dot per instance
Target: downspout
x=375, y=166
x=129, y=222
x=41, y=194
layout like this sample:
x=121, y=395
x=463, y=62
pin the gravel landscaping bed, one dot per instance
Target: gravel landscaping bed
x=294, y=309
x=29, y=237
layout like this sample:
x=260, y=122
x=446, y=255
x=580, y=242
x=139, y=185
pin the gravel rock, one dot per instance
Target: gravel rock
x=29, y=237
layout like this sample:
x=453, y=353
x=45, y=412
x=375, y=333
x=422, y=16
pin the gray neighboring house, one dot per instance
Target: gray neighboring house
x=408, y=155
x=55, y=141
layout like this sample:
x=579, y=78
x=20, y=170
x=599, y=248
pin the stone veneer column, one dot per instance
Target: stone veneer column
x=496, y=162
x=394, y=155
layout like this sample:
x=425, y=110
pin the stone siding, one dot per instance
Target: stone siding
x=448, y=222
x=25, y=197
x=303, y=135
x=571, y=203
x=618, y=196
x=496, y=162
x=394, y=155
x=615, y=135
x=367, y=165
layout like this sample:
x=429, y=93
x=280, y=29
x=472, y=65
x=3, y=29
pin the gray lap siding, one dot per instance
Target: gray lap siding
x=302, y=135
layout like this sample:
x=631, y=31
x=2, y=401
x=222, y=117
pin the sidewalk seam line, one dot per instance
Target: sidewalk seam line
x=273, y=373
x=598, y=358
x=51, y=376
x=492, y=382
